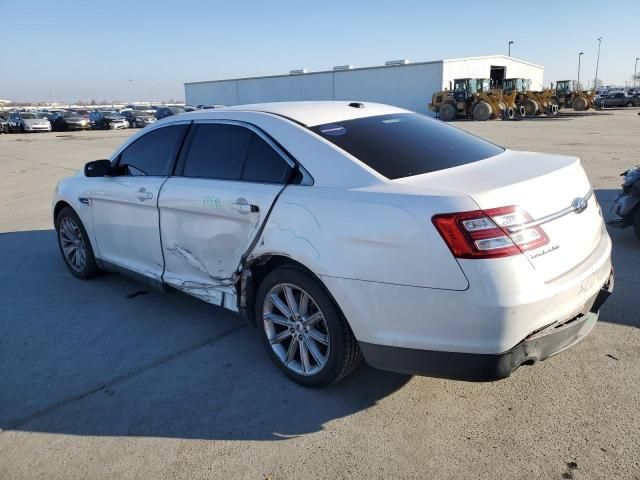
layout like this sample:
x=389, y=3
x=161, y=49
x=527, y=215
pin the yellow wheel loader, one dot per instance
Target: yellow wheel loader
x=470, y=98
x=529, y=102
x=564, y=97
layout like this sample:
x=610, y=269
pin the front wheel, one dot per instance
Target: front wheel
x=303, y=330
x=74, y=244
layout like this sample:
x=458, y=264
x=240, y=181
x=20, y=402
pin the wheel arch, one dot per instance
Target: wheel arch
x=60, y=204
x=256, y=270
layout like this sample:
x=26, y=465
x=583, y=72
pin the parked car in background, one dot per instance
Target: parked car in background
x=618, y=99
x=28, y=122
x=69, y=121
x=164, y=112
x=138, y=119
x=207, y=107
x=345, y=230
x=105, y=120
x=4, y=124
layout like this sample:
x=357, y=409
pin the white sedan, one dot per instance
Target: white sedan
x=348, y=230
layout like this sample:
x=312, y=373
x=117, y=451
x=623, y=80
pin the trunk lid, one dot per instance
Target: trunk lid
x=547, y=187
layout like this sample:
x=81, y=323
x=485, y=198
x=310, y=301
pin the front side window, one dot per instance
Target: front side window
x=153, y=153
x=406, y=144
x=217, y=151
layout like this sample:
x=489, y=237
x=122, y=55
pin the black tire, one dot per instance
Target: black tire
x=636, y=223
x=482, y=111
x=531, y=107
x=448, y=112
x=90, y=268
x=344, y=353
x=22, y=129
x=579, y=104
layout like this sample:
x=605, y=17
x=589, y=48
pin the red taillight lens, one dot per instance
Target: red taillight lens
x=484, y=234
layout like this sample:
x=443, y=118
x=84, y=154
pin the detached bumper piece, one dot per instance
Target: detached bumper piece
x=538, y=346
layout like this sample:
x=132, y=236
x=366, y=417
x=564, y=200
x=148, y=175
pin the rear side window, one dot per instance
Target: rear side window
x=264, y=164
x=217, y=151
x=153, y=153
x=406, y=144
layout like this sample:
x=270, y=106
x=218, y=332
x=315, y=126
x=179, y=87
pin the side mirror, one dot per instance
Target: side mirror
x=97, y=168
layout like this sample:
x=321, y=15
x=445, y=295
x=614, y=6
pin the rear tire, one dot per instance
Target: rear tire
x=448, y=112
x=314, y=354
x=579, y=104
x=481, y=111
x=75, y=245
x=531, y=107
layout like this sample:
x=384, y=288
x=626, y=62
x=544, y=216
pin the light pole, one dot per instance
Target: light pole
x=635, y=71
x=511, y=42
x=595, y=80
x=578, y=85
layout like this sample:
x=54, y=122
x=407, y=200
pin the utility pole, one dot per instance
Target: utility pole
x=595, y=80
x=511, y=42
x=635, y=71
x=578, y=85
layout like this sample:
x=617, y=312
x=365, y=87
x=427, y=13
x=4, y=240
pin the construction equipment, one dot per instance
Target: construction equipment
x=508, y=97
x=580, y=100
x=524, y=98
x=470, y=98
x=533, y=103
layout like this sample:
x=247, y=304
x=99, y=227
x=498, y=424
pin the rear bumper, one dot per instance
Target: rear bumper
x=535, y=347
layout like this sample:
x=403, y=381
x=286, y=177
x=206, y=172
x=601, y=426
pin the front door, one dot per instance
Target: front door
x=227, y=179
x=125, y=206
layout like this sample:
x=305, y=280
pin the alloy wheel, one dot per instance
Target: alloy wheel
x=296, y=329
x=72, y=243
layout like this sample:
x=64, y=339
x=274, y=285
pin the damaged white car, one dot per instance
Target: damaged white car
x=349, y=230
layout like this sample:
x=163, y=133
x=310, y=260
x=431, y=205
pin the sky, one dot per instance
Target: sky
x=128, y=50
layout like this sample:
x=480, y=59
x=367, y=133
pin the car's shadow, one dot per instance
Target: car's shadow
x=111, y=356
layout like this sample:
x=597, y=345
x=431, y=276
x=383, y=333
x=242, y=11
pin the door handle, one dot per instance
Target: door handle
x=241, y=205
x=143, y=195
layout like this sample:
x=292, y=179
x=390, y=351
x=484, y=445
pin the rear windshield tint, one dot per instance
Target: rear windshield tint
x=406, y=144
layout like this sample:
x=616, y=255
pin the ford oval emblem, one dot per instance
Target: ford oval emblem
x=579, y=204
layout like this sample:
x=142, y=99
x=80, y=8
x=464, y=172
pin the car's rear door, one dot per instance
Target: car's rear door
x=228, y=176
x=125, y=206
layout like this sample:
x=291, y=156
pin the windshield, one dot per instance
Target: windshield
x=111, y=114
x=29, y=116
x=406, y=144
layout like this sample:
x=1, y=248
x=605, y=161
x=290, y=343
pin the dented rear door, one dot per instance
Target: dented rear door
x=227, y=179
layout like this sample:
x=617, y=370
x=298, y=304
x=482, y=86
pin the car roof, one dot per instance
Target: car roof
x=310, y=113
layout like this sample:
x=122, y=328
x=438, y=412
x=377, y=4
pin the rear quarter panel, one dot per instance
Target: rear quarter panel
x=364, y=235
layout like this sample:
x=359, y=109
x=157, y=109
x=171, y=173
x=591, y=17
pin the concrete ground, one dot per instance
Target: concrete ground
x=108, y=379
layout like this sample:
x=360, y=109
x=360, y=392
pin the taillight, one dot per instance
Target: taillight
x=484, y=234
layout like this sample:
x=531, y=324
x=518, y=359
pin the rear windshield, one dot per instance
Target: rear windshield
x=406, y=144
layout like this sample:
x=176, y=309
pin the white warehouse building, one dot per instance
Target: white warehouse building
x=400, y=83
